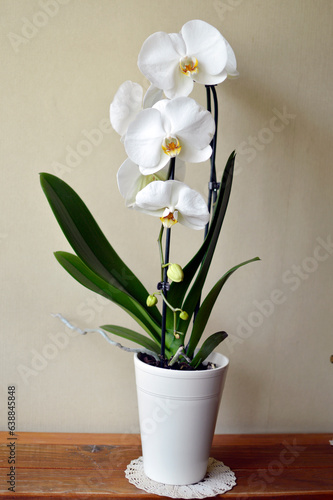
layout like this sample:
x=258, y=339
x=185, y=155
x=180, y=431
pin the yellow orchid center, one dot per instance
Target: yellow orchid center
x=171, y=146
x=169, y=218
x=188, y=65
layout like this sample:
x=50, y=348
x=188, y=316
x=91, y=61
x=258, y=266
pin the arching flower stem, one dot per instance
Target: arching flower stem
x=174, y=310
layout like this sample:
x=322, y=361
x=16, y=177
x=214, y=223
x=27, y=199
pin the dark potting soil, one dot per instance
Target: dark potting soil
x=150, y=360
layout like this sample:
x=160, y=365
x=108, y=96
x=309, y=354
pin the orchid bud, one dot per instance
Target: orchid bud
x=175, y=273
x=183, y=315
x=151, y=300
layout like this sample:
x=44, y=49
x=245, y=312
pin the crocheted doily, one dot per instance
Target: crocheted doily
x=219, y=479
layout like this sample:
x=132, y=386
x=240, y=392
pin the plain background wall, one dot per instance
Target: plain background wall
x=61, y=64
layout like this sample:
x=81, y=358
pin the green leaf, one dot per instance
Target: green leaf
x=88, y=241
x=208, y=347
x=86, y=277
x=205, y=253
x=138, y=338
x=207, y=306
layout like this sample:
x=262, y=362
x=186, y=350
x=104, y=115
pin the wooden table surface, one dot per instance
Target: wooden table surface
x=91, y=466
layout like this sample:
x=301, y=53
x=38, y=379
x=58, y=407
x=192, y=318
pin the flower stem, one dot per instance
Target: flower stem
x=174, y=310
x=171, y=176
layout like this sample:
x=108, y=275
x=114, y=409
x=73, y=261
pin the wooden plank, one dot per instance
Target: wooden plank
x=69, y=456
x=70, y=482
x=289, y=454
x=134, y=439
x=269, y=439
x=91, y=466
x=73, y=438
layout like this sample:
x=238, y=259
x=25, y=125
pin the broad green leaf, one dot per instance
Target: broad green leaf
x=128, y=334
x=205, y=253
x=88, y=241
x=78, y=270
x=207, y=306
x=208, y=347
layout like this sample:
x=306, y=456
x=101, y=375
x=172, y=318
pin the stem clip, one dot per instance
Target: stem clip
x=163, y=285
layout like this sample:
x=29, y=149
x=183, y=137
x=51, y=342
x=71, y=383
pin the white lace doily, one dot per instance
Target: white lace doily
x=219, y=479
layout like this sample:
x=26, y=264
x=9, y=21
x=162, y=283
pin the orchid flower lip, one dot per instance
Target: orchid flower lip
x=189, y=65
x=169, y=217
x=171, y=146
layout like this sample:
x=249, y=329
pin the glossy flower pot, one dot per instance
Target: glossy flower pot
x=178, y=412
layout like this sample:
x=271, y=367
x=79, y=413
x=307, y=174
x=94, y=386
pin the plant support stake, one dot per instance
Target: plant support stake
x=171, y=176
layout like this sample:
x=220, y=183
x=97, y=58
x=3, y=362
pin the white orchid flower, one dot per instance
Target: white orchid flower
x=128, y=102
x=173, y=202
x=131, y=181
x=173, y=61
x=178, y=127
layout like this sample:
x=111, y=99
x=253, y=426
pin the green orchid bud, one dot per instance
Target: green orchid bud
x=151, y=300
x=183, y=315
x=175, y=273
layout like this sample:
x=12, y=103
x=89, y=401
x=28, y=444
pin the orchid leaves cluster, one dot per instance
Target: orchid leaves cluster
x=161, y=131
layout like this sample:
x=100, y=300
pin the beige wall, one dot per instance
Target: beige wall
x=57, y=82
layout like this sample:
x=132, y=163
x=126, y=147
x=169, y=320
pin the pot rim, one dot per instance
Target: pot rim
x=221, y=360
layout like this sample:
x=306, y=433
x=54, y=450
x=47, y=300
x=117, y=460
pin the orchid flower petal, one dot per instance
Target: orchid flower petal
x=130, y=180
x=231, y=66
x=191, y=155
x=178, y=43
x=164, y=160
x=144, y=137
x=183, y=85
x=190, y=122
x=154, y=198
x=125, y=106
x=152, y=96
x=206, y=44
x=158, y=59
x=207, y=79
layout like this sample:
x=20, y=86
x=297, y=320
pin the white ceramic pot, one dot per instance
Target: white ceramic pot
x=178, y=412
